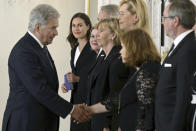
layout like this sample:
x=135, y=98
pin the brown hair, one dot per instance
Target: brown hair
x=139, y=8
x=113, y=25
x=139, y=48
x=72, y=40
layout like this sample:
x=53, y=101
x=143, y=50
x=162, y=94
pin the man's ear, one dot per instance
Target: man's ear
x=176, y=21
x=37, y=28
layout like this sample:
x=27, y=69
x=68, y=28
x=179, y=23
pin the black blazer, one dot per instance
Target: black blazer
x=173, y=92
x=33, y=103
x=137, y=99
x=106, y=81
x=84, y=62
x=80, y=89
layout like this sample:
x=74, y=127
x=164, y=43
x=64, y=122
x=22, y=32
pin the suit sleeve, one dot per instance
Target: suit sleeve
x=185, y=67
x=30, y=71
x=118, y=75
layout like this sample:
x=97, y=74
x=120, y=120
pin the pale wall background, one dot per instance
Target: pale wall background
x=14, y=19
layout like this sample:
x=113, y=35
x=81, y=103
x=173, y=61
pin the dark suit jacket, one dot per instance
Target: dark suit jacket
x=173, y=92
x=105, y=82
x=79, y=92
x=86, y=58
x=33, y=103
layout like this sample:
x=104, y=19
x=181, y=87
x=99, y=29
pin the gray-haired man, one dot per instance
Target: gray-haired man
x=34, y=103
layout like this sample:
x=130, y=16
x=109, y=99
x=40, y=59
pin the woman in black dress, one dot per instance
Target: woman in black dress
x=136, y=106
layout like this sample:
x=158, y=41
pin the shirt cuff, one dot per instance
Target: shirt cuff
x=193, y=99
x=72, y=110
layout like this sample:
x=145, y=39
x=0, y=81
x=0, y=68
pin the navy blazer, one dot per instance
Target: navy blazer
x=33, y=103
x=173, y=92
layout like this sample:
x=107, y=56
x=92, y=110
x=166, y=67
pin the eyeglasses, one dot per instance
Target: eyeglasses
x=165, y=17
x=121, y=13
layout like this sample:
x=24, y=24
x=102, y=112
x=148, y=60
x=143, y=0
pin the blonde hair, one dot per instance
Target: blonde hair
x=113, y=25
x=139, y=47
x=139, y=8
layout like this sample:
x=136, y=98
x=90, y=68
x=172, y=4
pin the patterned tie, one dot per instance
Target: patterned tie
x=45, y=49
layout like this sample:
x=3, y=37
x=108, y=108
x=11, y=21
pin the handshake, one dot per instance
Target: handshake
x=81, y=113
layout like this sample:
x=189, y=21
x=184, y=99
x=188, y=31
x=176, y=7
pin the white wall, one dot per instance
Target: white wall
x=14, y=19
x=93, y=11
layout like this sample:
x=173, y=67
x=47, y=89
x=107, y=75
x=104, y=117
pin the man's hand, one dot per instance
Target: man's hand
x=81, y=113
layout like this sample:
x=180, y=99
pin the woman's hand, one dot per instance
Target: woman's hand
x=63, y=88
x=106, y=129
x=72, y=77
x=140, y=130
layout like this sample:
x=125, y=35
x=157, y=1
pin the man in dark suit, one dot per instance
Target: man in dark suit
x=34, y=103
x=173, y=92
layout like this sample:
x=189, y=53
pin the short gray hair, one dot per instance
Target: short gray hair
x=40, y=14
x=185, y=11
x=111, y=9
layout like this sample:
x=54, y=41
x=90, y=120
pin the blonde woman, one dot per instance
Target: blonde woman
x=133, y=14
x=110, y=77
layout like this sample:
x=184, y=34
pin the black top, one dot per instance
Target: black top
x=105, y=81
x=86, y=58
x=137, y=98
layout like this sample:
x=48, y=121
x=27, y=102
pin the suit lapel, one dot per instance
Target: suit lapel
x=180, y=45
x=43, y=58
x=84, y=52
x=104, y=64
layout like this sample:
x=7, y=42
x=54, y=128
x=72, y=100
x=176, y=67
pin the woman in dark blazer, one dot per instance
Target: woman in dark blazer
x=81, y=59
x=109, y=75
x=136, y=106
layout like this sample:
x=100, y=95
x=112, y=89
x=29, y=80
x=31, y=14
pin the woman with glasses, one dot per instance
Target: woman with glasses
x=133, y=14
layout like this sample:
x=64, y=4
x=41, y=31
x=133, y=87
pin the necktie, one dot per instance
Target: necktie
x=45, y=49
x=172, y=47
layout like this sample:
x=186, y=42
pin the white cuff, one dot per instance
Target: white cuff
x=193, y=99
x=72, y=109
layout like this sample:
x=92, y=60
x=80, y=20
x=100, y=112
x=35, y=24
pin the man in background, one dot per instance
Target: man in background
x=173, y=92
x=108, y=11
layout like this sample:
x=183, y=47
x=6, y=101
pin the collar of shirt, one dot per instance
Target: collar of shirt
x=38, y=41
x=180, y=37
x=99, y=51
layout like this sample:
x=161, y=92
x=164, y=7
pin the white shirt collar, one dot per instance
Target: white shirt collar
x=100, y=50
x=38, y=41
x=180, y=37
